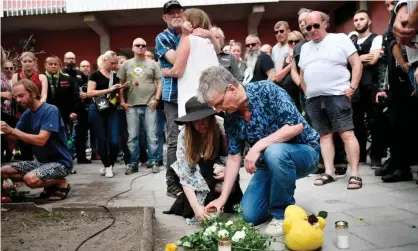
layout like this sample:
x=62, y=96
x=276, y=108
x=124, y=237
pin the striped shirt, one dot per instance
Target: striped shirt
x=165, y=41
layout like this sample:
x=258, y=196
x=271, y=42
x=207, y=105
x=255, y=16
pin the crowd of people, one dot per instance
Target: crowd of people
x=312, y=103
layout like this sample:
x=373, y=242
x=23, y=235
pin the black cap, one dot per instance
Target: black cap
x=195, y=111
x=171, y=4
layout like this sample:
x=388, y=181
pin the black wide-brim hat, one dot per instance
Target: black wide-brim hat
x=195, y=111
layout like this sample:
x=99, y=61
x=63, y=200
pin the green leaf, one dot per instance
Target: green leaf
x=323, y=214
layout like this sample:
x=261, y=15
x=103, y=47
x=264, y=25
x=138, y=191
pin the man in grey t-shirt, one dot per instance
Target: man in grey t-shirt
x=140, y=101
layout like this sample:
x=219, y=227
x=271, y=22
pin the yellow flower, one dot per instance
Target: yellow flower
x=170, y=247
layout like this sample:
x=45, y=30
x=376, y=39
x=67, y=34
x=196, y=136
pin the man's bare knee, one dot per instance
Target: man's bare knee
x=31, y=180
x=326, y=136
x=347, y=135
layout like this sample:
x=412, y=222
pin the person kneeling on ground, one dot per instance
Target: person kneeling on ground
x=42, y=127
x=283, y=145
x=200, y=145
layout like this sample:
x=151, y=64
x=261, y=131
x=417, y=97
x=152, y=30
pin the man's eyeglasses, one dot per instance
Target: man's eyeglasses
x=277, y=32
x=8, y=68
x=140, y=45
x=221, y=102
x=316, y=26
x=293, y=42
x=251, y=45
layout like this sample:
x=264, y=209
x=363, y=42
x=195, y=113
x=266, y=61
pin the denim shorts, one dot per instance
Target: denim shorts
x=44, y=171
x=330, y=113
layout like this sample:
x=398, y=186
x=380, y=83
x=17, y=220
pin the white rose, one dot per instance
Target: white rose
x=229, y=223
x=223, y=233
x=239, y=235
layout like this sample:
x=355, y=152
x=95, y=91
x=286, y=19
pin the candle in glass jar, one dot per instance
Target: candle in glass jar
x=213, y=211
x=224, y=245
x=341, y=228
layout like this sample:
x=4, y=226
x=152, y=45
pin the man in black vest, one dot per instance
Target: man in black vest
x=82, y=127
x=368, y=46
x=62, y=91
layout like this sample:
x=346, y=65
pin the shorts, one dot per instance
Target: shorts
x=330, y=113
x=43, y=171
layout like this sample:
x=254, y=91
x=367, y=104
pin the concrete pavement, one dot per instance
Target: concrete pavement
x=381, y=216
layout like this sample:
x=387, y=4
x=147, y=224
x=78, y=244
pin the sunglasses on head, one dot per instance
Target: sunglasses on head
x=8, y=68
x=293, y=42
x=277, y=32
x=251, y=45
x=140, y=45
x=316, y=26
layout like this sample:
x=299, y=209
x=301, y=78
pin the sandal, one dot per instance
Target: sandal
x=354, y=180
x=325, y=178
x=47, y=192
x=60, y=193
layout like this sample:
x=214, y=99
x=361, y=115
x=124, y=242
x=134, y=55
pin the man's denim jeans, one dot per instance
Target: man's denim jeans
x=271, y=189
x=160, y=134
x=148, y=116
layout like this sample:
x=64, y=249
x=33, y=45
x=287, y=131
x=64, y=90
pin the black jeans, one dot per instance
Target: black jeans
x=81, y=131
x=366, y=105
x=171, y=113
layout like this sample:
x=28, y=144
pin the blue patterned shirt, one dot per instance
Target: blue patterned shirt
x=165, y=41
x=271, y=108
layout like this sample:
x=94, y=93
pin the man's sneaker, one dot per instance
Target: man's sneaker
x=102, y=171
x=274, y=228
x=130, y=169
x=109, y=172
x=155, y=167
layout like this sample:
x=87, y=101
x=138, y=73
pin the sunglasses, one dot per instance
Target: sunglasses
x=8, y=68
x=316, y=26
x=293, y=42
x=140, y=45
x=277, y=32
x=251, y=45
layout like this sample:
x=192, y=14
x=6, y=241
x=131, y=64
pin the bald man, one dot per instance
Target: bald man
x=144, y=78
x=80, y=79
x=266, y=48
x=85, y=67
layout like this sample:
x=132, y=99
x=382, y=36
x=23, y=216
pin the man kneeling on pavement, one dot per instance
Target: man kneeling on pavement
x=42, y=127
x=284, y=147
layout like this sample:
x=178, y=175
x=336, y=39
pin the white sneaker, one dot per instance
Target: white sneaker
x=274, y=228
x=109, y=172
x=102, y=171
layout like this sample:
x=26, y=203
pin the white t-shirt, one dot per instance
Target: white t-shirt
x=376, y=43
x=325, y=65
x=412, y=53
x=278, y=53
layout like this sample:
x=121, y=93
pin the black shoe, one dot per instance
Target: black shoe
x=83, y=161
x=383, y=171
x=398, y=176
x=375, y=163
x=131, y=170
x=160, y=163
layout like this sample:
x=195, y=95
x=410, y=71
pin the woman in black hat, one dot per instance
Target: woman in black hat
x=201, y=143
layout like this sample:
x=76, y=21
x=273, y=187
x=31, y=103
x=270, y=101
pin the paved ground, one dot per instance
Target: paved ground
x=381, y=216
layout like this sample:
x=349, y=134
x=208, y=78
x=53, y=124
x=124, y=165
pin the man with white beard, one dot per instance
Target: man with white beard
x=260, y=66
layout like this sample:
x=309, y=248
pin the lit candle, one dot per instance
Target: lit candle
x=224, y=244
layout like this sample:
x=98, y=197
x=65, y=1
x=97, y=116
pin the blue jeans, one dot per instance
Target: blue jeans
x=148, y=117
x=106, y=129
x=271, y=189
x=160, y=134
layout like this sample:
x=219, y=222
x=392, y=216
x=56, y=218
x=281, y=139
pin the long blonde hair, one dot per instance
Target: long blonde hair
x=31, y=55
x=196, y=144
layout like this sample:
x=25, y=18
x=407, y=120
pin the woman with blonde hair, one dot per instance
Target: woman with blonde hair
x=283, y=75
x=193, y=55
x=103, y=115
x=200, y=145
x=30, y=71
x=236, y=49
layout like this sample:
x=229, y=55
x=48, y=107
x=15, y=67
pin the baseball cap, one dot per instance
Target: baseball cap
x=171, y=4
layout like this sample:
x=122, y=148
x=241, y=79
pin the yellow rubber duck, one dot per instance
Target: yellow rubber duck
x=302, y=232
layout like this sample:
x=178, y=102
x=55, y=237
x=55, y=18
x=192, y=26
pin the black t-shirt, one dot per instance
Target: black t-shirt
x=263, y=65
x=296, y=53
x=102, y=82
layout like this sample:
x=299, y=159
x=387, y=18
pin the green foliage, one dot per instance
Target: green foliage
x=323, y=214
x=243, y=235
